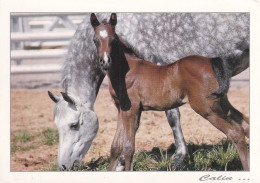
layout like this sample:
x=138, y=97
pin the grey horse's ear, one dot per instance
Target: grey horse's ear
x=94, y=21
x=67, y=98
x=54, y=97
x=113, y=19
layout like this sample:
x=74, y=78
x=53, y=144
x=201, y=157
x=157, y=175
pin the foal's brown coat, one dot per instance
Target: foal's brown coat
x=150, y=87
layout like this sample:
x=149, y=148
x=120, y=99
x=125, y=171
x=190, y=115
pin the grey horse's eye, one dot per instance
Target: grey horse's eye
x=74, y=126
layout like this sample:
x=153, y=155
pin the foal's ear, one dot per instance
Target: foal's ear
x=94, y=21
x=67, y=98
x=113, y=19
x=54, y=97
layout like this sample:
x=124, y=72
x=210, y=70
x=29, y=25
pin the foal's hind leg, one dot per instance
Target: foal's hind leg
x=235, y=133
x=212, y=111
x=173, y=117
x=236, y=115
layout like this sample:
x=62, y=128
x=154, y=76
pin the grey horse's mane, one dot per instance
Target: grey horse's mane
x=80, y=60
x=158, y=37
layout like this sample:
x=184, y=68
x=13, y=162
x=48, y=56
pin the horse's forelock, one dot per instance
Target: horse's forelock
x=58, y=107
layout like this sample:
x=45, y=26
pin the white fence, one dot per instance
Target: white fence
x=41, y=36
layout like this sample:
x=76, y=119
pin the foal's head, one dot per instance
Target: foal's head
x=104, y=39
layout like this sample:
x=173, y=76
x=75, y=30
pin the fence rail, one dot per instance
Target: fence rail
x=30, y=32
x=37, y=14
x=35, y=69
x=38, y=54
x=44, y=36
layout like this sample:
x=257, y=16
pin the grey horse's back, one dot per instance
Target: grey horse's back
x=161, y=38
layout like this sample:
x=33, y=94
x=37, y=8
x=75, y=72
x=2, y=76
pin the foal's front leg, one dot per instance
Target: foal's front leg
x=121, y=163
x=124, y=141
x=116, y=147
x=129, y=119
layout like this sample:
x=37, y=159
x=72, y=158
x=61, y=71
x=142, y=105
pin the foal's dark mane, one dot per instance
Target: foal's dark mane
x=118, y=71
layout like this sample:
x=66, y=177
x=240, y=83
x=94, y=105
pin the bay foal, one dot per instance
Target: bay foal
x=137, y=85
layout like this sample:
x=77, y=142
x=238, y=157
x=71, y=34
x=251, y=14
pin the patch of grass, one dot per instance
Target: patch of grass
x=20, y=139
x=213, y=158
x=52, y=167
x=101, y=164
x=144, y=162
x=14, y=147
x=49, y=136
x=27, y=148
x=202, y=158
x=22, y=136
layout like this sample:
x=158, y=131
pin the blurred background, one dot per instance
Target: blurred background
x=39, y=43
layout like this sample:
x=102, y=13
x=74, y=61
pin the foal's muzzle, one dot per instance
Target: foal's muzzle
x=105, y=64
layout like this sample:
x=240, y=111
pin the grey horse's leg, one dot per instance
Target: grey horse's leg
x=121, y=163
x=173, y=117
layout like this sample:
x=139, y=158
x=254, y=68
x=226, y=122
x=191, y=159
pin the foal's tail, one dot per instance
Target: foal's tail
x=225, y=68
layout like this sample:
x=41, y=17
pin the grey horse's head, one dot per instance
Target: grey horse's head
x=77, y=126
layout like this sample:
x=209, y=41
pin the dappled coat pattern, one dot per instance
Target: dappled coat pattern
x=137, y=85
x=162, y=37
x=157, y=37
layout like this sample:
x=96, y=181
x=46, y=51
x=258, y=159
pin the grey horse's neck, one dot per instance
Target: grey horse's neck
x=85, y=90
x=81, y=76
x=84, y=82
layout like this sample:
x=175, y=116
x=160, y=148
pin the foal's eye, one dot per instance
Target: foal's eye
x=74, y=126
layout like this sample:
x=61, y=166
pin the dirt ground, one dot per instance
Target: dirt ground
x=32, y=110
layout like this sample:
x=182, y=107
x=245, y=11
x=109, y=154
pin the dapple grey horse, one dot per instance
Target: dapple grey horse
x=77, y=123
